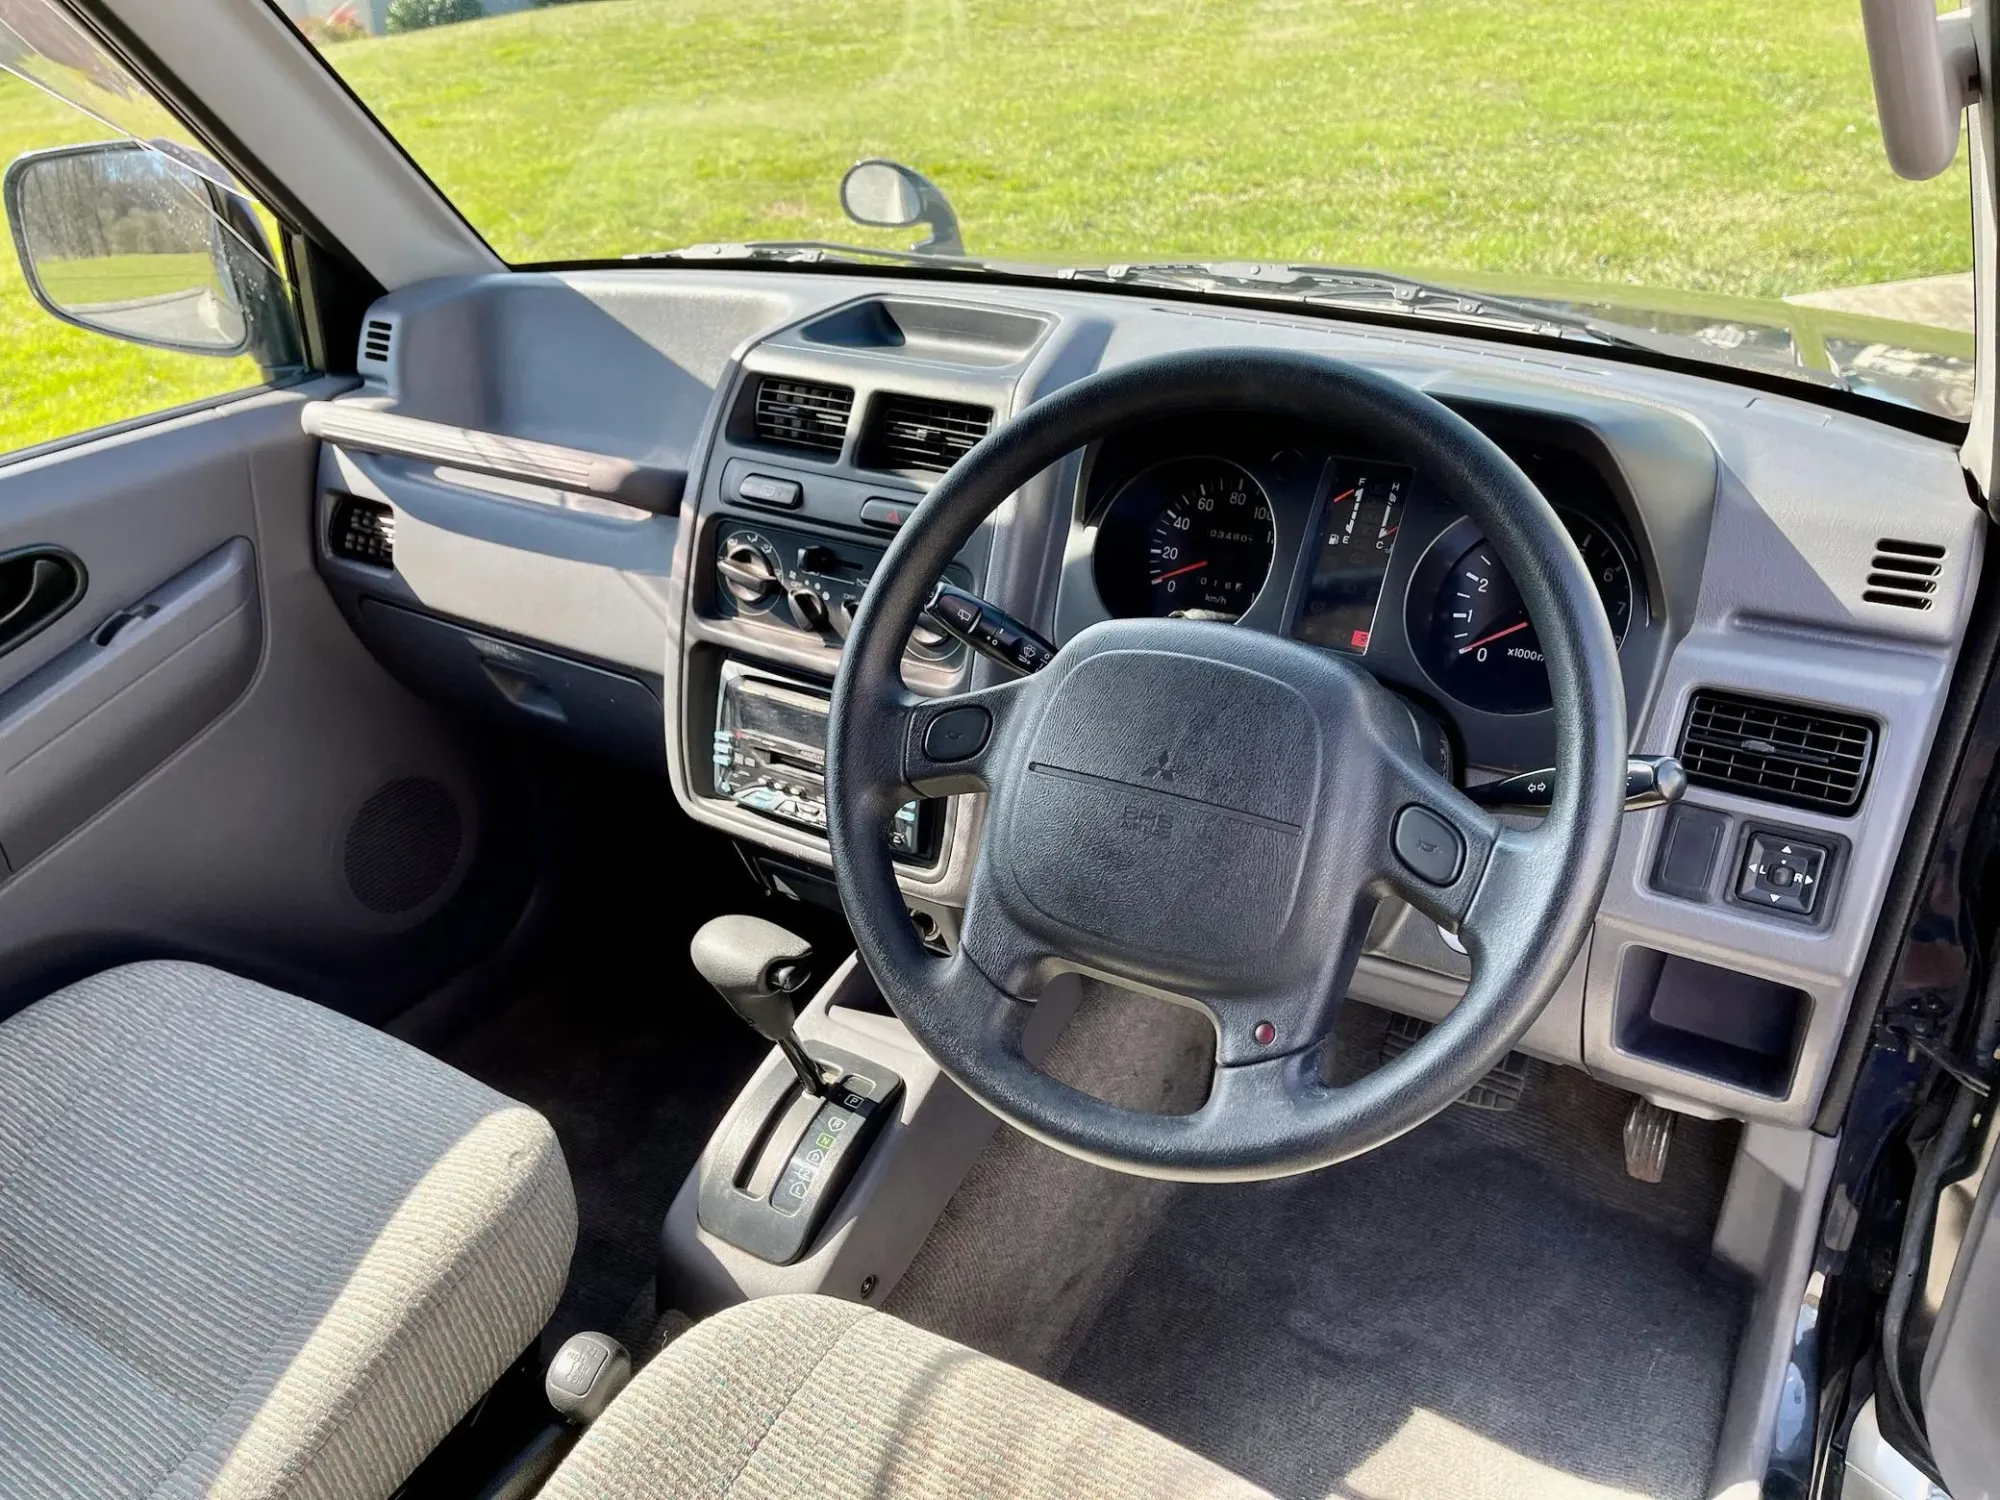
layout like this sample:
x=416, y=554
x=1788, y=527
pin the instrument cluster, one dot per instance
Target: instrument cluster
x=1313, y=536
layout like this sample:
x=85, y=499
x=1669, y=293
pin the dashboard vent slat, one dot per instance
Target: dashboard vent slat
x=363, y=531
x=1779, y=752
x=921, y=432
x=377, y=338
x=1904, y=574
x=802, y=414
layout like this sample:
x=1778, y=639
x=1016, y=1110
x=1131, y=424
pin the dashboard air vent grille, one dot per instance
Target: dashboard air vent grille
x=1781, y=752
x=919, y=432
x=363, y=531
x=376, y=338
x=1904, y=574
x=802, y=414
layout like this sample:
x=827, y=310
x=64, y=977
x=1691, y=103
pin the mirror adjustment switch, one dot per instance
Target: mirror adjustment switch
x=1782, y=873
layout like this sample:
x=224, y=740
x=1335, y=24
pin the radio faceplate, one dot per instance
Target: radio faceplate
x=769, y=758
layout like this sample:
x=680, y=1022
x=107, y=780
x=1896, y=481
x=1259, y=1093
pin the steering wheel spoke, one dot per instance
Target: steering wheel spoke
x=955, y=744
x=1437, y=846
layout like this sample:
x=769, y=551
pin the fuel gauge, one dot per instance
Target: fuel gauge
x=1357, y=535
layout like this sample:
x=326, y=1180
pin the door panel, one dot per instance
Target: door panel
x=103, y=713
x=186, y=754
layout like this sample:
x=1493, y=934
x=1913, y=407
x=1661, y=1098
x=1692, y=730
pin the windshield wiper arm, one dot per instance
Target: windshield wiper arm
x=1340, y=286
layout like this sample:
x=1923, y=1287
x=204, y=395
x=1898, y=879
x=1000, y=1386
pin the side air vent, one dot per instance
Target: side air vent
x=363, y=531
x=1904, y=574
x=376, y=340
x=1781, y=752
x=802, y=414
x=917, y=432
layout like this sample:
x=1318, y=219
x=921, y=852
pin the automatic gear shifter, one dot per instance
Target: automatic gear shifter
x=759, y=968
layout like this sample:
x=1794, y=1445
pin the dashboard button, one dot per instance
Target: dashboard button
x=957, y=734
x=1430, y=846
x=763, y=489
x=886, y=515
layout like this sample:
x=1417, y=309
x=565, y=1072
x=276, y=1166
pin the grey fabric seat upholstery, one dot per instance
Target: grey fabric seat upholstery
x=250, y=1248
x=809, y=1398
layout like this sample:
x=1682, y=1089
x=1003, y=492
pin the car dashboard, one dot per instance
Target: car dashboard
x=1788, y=585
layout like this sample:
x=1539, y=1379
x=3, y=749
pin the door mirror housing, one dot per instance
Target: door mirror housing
x=142, y=241
x=885, y=194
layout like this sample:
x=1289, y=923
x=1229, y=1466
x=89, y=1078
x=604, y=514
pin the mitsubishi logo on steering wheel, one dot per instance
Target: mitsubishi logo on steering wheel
x=1161, y=769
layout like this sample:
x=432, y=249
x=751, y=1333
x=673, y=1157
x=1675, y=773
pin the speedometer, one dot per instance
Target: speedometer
x=1480, y=646
x=1190, y=538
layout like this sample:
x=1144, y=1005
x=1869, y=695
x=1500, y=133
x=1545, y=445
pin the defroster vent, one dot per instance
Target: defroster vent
x=802, y=414
x=1904, y=574
x=919, y=432
x=376, y=339
x=1780, y=752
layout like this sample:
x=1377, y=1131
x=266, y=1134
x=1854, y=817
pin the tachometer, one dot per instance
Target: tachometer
x=1480, y=646
x=1189, y=538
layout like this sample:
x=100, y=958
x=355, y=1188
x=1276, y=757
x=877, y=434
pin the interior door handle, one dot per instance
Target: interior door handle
x=38, y=586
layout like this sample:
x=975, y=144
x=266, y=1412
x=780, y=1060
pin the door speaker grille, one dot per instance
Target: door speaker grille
x=403, y=845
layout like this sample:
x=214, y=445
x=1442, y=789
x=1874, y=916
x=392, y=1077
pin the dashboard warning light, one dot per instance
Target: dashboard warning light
x=1359, y=640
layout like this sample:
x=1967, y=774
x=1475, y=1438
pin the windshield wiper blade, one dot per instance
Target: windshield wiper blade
x=1341, y=286
x=806, y=252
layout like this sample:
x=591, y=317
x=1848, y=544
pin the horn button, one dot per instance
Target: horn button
x=1166, y=809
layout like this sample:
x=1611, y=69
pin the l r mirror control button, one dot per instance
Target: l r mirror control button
x=957, y=734
x=1430, y=846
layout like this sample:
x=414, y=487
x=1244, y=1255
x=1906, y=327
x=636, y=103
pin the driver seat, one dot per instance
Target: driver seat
x=811, y=1398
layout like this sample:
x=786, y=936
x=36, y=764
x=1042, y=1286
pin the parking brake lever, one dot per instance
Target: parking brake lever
x=1650, y=781
x=991, y=632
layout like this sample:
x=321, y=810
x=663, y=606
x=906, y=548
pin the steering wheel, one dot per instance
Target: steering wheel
x=1211, y=813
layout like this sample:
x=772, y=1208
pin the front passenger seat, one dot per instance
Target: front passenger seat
x=251, y=1248
x=810, y=1398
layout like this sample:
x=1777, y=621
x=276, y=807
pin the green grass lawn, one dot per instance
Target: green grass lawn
x=1709, y=145
x=1697, y=144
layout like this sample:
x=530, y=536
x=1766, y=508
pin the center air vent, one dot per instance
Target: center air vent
x=917, y=432
x=1781, y=752
x=1904, y=574
x=376, y=338
x=802, y=414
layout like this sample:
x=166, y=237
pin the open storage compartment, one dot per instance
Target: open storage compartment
x=1728, y=1026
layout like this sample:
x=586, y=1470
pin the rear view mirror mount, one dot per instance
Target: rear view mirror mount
x=141, y=241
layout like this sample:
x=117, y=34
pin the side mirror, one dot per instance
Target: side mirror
x=886, y=194
x=141, y=242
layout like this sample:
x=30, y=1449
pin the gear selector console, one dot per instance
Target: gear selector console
x=770, y=1179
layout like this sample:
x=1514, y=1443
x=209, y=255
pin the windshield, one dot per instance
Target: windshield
x=1701, y=177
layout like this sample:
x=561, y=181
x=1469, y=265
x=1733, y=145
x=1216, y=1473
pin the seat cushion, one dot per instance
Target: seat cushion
x=809, y=1398
x=251, y=1248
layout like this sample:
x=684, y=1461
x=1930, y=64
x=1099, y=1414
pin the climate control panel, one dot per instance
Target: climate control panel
x=809, y=584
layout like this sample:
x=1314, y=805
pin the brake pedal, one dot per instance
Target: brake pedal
x=1649, y=1136
x=1499, y=1091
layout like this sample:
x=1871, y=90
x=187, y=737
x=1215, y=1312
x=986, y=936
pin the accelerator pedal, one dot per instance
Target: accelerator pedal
x=1649, y=1135
x=1499, y=1091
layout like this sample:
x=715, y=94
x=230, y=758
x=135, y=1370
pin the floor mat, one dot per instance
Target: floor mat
x=1486, y=1309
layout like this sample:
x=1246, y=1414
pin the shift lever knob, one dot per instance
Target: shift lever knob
x=759, y=968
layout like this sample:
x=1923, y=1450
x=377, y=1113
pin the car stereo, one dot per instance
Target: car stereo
x=769, y=757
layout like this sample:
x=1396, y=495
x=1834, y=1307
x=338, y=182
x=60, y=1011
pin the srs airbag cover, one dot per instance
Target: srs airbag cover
x=1166, y=806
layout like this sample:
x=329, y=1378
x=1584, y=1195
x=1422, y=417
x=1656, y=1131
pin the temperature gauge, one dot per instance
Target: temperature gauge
x=1357, y=535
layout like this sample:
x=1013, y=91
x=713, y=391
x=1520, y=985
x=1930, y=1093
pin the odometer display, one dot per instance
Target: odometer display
x=1482, y=649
